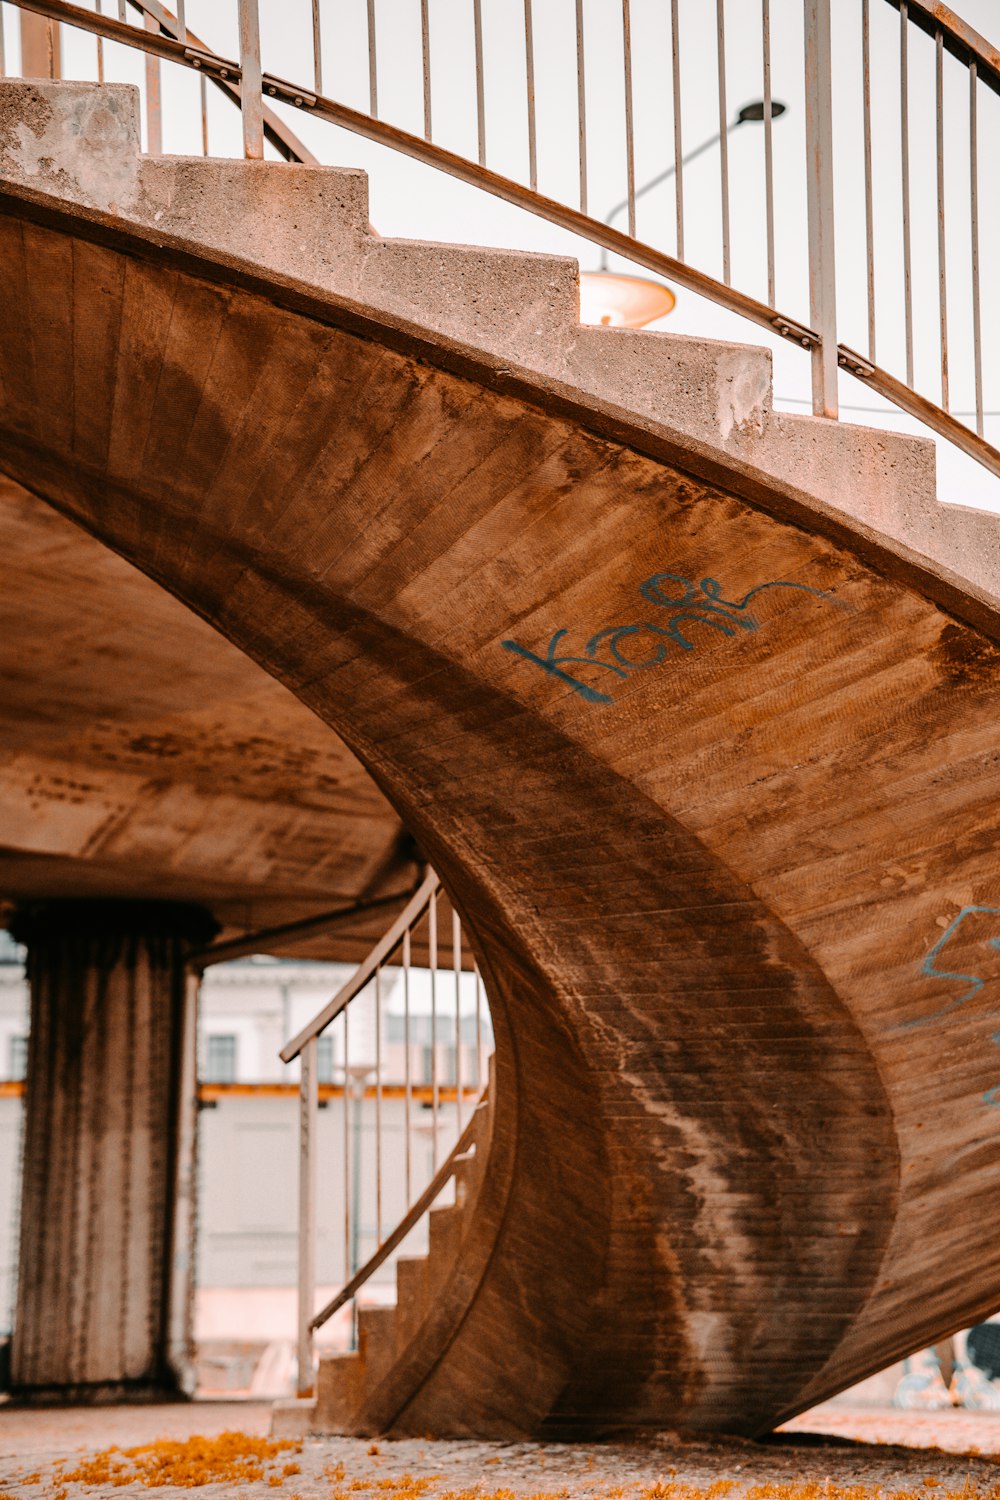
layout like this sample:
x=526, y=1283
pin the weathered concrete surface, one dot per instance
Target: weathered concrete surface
x=708, y=766
x=312, y=223
x=105, y=1283
x=142, y=755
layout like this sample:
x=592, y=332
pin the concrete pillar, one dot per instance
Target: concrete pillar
x=107, y=1209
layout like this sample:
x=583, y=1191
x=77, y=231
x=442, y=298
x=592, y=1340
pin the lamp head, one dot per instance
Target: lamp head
x=755, y=111
x=611, y=299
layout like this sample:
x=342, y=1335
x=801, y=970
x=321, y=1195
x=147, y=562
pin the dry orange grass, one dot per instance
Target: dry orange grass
x=230, y=1458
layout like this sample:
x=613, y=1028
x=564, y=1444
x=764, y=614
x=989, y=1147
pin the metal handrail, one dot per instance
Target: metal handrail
x=392, y=953
x=961, y=39
x=408, y=1222
x=407, y=919
x=818, y=334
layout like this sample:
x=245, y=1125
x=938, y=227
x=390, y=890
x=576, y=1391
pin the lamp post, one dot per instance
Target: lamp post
x=618, y=300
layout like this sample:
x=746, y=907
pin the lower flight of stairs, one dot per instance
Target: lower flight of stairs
x=348, y=1385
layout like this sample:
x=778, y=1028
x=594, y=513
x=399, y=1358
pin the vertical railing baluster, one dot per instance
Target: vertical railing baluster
x=720, y=41
x=100, y=47
x=378, y=1105
x=581, y=104
x=41, y=46
x=182, y=33
x=479, y=1027
x=122, y=11
x=154, y=112
x=348, y=1268
x=768, y=150
x=977, y=325
x=629, y=122
x=372, y=61
x=308, y=1119
x=477, y=20
x=866, y=68
x=204, y=114
x=942, y=263
x=425, y=48
x=456, y=959
x=529, y=82
x=904, y=129
x=185, y=1185
x=819, y=189
x=317, y=42
x=407, y=1076
x=3, y=50
x=433, y=958
x=251, y=90
x=675, y=38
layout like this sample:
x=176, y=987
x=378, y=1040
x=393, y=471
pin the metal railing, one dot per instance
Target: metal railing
x=581, y=99
x=442, y=1021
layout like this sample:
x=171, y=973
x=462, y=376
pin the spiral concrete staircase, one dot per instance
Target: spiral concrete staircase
x=692, y=705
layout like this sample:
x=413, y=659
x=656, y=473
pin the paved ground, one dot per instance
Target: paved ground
x=835, y=1449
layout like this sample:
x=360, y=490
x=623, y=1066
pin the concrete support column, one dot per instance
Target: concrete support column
x=107, y=1214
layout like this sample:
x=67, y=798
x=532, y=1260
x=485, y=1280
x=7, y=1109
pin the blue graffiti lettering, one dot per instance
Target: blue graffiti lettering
x=973, y=982
x=698, y=604
x=555, y=664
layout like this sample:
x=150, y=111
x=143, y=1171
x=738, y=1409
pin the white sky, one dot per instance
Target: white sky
x=412, y=201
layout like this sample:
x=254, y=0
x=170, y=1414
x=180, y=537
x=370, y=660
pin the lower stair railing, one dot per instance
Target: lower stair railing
x=401, y=1055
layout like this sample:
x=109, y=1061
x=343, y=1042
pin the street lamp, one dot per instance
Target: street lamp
x=614, y=299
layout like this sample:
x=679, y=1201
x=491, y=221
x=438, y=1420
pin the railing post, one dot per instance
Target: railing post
x=154, y=112
x=251, y=89
x=308, y=1119
x=182, y=1237
x=819, y=191
x=40, y=47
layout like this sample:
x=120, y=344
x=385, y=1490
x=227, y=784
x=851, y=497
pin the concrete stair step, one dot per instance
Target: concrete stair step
x=294, y=1417
x=718, y=392
x=480, y=1138
x=412, y=1283
x=521, y=305
x=339, y=1388
x=376, y=1341
x=468, y=1171
x=444, y=1231
x=308, y=222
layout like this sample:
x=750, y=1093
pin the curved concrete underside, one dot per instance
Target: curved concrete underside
x=142, y=755
x=730, y=868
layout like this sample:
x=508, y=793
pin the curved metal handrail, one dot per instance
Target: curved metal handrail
x=818, y=335
x=408, y=1222
x=961, y=39
x=365, y=971
x=393, y=950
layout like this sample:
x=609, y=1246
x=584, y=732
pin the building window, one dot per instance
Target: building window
x=220, y=1060
x=324, y=1059
x=10, y=952
x=17, y=1058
